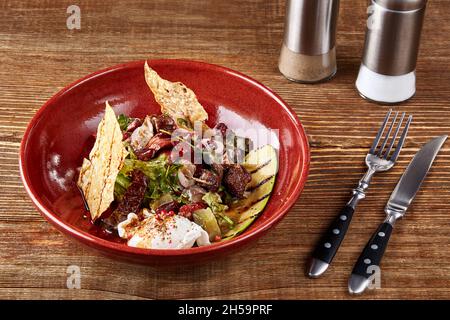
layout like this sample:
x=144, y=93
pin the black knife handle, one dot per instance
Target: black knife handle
x=374, y=251
x=329, y=244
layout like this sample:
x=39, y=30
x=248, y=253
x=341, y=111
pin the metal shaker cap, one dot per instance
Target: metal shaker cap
x=310, y=26
x=393, y=36
x=402, y=5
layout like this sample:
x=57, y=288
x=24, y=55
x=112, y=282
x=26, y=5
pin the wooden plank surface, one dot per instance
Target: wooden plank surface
x=39, y=55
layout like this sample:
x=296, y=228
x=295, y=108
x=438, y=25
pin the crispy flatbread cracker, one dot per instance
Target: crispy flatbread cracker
x=98, y=173
x=175, y=99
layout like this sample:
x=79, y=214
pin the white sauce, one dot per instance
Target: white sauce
x=172, y=232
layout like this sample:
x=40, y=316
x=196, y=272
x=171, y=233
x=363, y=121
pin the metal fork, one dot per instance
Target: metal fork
x=378, y=159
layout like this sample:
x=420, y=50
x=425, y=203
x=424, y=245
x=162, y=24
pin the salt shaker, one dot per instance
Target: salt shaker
x=308, y=53
x=387, y=73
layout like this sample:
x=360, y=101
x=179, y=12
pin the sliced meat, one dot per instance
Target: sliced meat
x=164, y=122
x=157, y=143
x=235, y=179
x=131, y=201
x=134, y=124
x=218, y=169
x=208, y=180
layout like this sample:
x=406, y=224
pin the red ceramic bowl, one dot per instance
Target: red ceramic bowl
x=57, y=137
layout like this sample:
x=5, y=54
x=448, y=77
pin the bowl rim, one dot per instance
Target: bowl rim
x=120, y=248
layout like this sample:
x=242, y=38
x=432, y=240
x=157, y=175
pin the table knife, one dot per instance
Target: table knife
x=398, y=203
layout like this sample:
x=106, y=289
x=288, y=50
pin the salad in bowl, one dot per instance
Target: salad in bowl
x=168, y=180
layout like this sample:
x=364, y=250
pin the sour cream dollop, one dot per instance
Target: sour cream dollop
x=156, y=232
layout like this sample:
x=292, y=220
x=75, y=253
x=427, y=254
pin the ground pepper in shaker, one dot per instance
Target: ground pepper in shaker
x=388, y=70
x=308, y=53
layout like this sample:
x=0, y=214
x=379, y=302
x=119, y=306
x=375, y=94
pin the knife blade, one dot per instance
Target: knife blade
x=412, y=179
x=401, y=198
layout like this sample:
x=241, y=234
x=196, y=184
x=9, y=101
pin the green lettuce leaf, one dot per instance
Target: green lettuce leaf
x=124, y=121
x=162, y=176
x=121, y=185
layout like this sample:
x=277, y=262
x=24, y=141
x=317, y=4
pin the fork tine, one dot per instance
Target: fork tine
x=399, y=125
x=380, y=132
x=388, y=133
x=402, y=140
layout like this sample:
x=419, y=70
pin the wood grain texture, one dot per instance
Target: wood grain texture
x=39, y=55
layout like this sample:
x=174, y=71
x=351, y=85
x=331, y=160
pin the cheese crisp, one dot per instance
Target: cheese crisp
x=98, y=173
x=175, y=99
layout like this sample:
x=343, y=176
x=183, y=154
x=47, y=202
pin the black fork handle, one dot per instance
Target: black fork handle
x=330, y=242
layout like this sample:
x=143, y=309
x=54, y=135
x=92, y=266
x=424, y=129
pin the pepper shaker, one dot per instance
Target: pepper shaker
x=387, y=73
x=308, y=53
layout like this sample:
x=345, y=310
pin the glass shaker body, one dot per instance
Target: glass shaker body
x=308, y=53
x=387, y=73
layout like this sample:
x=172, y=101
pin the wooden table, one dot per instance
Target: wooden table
x=39, y=55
